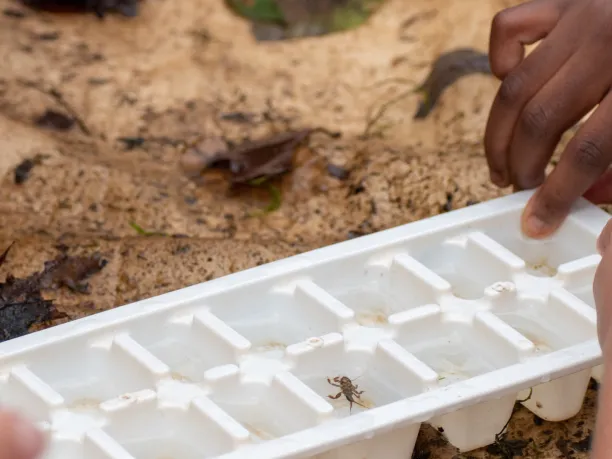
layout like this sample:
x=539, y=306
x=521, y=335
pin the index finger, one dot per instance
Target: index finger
x=515, y=27
x=511, y=30
x=585, y=159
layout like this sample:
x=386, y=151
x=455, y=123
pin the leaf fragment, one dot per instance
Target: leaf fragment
x=143, y=232
x=275, y=199
x=21, y=302
x=288, y=19
x=265, y=158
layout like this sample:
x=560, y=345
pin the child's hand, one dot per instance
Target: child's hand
x=602, y=290
x=546, y=93
x=602, y=287
x=19, y=439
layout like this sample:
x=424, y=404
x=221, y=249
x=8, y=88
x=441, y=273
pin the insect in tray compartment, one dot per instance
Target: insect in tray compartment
x=348, y=389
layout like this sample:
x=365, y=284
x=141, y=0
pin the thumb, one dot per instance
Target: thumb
x=601, y=191
x=19, y=438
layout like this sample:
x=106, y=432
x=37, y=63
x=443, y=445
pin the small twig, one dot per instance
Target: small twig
x=327, y=132
x=380, y=83
x=59, y=99
x=373, y=119
x=5, y=253
x=140, y=230
x=275, y=198
x=502, y=432
x=528, y=397
x=55, y=94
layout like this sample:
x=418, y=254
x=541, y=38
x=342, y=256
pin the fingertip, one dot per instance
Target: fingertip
x=19, y=438
x=601, y=245
x=535, y=227
x=605, y=238
x=498, y=179
x=514, y=27
x=536, y=221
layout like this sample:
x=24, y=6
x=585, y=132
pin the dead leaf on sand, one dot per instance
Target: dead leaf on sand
x=446, y=70
x=252, y=160
x=21, y=302
x=196, y=158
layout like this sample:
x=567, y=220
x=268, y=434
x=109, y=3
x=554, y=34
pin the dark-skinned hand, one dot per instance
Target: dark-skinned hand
x=543, y=95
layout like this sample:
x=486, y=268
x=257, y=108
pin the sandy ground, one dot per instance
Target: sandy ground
x=169, y=74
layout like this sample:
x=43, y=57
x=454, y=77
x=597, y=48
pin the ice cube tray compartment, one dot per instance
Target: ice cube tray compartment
x=448, y=320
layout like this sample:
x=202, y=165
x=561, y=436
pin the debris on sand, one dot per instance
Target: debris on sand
x=143, y=232
x=446, y=70
x=23, y=169
x=251, y=163
x=52, y=119
x=21, y=302
x=287, y=19
x=100, y=8
x=251, y=160
x=337, y=172
x=275, y=197
x=197, y=158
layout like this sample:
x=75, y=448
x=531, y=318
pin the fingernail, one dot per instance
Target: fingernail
x=497, y=179
x=535, y=227
x=28, y=439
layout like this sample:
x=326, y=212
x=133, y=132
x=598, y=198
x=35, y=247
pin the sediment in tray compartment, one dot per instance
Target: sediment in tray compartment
x=559, y=322
x=402, y=284
x=543, y=257
x=108, y=367
x=283, y=406
x=147, y=429
x=470, y=262
x=552, y=324
x=291, y=313
x=191, y=343
x=458, y=350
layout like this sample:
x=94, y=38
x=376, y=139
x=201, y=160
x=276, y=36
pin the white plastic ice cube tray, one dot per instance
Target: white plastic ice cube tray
x=448, y=320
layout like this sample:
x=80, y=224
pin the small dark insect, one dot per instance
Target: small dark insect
x=348, y=389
